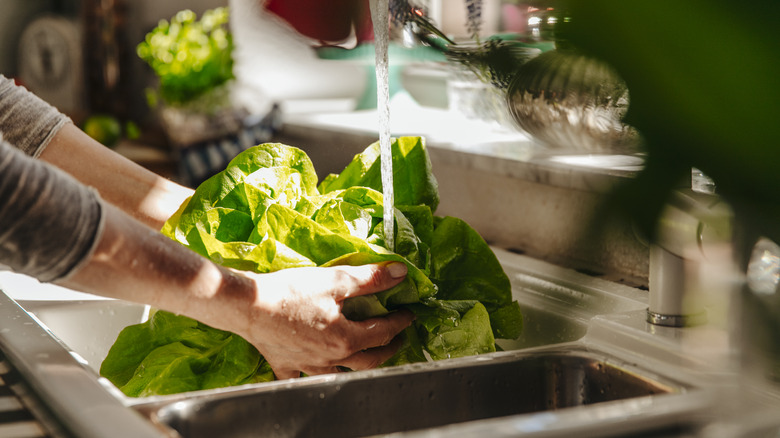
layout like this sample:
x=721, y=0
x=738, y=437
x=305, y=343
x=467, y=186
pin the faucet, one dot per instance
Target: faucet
x=694, y=229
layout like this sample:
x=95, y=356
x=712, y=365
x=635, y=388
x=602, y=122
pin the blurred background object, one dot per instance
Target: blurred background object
x=191, y=57
x=705, y=94
x=572, y=101
x=275, y=62
x=114, y=28
x=80, y=56
x=107, y=55
x=103, y=128
x=207, y=119
x=50, y=61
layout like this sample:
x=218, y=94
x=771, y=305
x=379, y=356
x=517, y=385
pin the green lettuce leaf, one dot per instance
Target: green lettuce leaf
x=170, y=353
x=413, y=180
x=264, y=213
x=253, y=180
x=464, y=267
x=455, y=328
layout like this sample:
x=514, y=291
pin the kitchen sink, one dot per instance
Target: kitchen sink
x=557, y=379
x=414, y=397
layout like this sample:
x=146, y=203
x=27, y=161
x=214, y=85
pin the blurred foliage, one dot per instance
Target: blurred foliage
x=704, y=77
x=189, y=56
x=104, y=128
x=109, y=130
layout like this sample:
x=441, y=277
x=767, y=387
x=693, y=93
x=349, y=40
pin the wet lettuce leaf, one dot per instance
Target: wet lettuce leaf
x=265, y=212
x=172, y=353
x=413, y=180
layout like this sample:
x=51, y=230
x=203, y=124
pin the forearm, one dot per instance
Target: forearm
x=55, y=229
x=135, y=263
x=139, y=192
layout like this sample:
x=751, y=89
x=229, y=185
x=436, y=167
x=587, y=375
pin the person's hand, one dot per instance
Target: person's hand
x=297, y=324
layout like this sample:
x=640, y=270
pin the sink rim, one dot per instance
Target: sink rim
x=610, y=418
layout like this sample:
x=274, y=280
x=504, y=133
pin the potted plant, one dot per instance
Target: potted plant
x=192, y=60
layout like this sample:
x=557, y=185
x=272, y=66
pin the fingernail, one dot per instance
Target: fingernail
x=397, y=269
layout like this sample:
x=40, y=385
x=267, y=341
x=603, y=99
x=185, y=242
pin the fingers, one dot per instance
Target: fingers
x=378, y=332
x=375, y=341
x=372, y=358
x=368, y=279
x=284, y=374
x=336, y=341
x=362, y=360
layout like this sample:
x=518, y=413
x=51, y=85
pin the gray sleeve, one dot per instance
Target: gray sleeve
x=26, y=121
x=49, y=222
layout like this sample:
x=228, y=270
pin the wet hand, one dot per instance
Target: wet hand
x=298, y=326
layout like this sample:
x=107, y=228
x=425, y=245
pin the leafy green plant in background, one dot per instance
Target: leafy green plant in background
x=265, y=212
x=189, y=56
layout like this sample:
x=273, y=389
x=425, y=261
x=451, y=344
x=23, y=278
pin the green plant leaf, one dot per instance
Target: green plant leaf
x=464, y=267
x=413, y=180
x=190, y=57
x=455, y=328
x=170, y=353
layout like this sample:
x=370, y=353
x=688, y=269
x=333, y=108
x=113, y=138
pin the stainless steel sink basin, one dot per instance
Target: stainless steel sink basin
x=543, y=327
x=557, y=379
x=413, y=397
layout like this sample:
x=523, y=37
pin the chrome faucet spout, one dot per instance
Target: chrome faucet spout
x=670, y=305
x=692, y=230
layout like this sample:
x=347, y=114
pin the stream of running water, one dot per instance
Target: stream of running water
x=380, y=17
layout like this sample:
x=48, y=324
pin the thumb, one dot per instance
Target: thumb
x=369, y=279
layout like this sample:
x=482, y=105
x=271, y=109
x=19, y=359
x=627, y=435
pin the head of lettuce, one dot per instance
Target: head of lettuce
x=266, y=212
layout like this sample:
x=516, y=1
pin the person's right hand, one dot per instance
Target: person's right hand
x=297, y=325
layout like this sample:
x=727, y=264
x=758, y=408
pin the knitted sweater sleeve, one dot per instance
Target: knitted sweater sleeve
x=27, y=122
x=49, y=222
